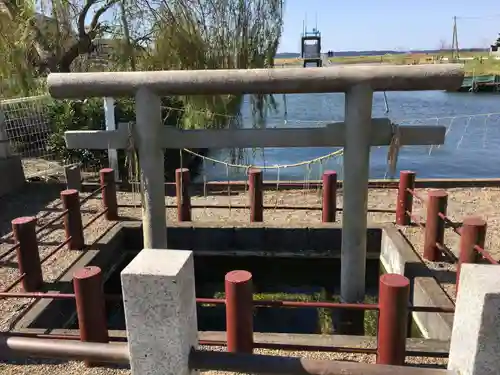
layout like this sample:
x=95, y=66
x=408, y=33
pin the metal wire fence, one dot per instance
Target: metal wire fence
x=28, y=130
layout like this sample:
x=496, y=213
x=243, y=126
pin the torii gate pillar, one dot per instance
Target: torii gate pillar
x=358, y=130
x=151, y=159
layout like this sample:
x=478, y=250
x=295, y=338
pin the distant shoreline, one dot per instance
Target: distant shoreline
x=475, y=63
x=293, y=55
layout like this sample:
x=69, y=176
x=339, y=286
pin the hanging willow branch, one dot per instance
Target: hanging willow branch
x=218, y=34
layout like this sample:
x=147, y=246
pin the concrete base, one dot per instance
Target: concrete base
x=11, y=170
x=397, y=256
x=474, y=348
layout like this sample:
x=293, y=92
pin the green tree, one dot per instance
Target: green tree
x=41, y=36
x=215, y=34
x=497, y=43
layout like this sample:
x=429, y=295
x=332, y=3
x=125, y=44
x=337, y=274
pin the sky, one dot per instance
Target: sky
x=391, y=24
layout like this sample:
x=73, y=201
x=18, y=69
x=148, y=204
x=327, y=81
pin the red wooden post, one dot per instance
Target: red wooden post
x=405, y=198
x=329, y=208
x=473, y=233
x=90, y=306
x=256, y=198
x=73, y=219
x=437, y=202
x=239, y=311
x=182, y=181
x=109, y=200
x=393, y=300
x=28, y=258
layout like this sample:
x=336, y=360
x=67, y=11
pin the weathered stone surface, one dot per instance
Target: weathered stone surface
x=181, y=236
x=160, y=311
x=327, y=237
x=213, y=238
x=11, y=166
x=249, y=238
x=475, y=340
x=285, y=239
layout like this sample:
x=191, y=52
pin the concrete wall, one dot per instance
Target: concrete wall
x=41, y=314
x=398, y=256
x=257, y=238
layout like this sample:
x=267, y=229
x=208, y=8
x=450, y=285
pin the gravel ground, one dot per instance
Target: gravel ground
x=65, y=368
x=483, y=202
x=46, y=170
x=41, y=167
x=43, y=202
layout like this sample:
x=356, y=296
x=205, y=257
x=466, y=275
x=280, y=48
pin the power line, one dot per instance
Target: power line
x=490, y=16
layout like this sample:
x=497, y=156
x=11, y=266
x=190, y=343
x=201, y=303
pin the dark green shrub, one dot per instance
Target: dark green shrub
x=89, y=115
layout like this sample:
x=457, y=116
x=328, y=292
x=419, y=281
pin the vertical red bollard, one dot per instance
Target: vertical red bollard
x=256, y=198
x=182, y=181
x=28, y=258
x=473, y=233
x=405, y=198
x=393, y=300
x=329, y=208
x=239, y=311
x=109, y=201
x=90, y=306
x=437, y=202
x=73, y=219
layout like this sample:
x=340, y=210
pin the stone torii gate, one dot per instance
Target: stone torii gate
x=356, y=134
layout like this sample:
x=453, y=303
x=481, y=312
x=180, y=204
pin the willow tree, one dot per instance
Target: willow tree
x=217, y=34
x=42, y=36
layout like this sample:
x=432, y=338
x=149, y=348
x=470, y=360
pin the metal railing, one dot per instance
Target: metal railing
x=199, y=359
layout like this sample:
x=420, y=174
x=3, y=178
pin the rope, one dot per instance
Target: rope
x=277, y=189
x=393, y=152
x=285, y=109
x=204, y=185
x=392, y=156
x=328, y=122
x=133, y=163
x=386, y=103
x=181, y=179
x=276, y=166
x=228, y=189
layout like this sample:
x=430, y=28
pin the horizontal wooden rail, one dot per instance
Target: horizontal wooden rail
x=257, y=81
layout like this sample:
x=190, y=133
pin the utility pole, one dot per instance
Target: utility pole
x=454, y=44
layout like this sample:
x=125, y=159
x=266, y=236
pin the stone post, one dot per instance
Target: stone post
x=475, y=339
x=151, y=160
x=73, y=175
x=160, y=311
x=11, y=167
x=109, y=118
x=358, y=111
x=4, y=140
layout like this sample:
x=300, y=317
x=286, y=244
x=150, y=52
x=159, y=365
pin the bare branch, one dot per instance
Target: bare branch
x=81, y=17
x=95, y=20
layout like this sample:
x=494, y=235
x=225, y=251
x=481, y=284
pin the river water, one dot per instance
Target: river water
x=471, y=149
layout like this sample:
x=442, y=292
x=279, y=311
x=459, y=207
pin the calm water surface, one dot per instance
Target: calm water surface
x=471, y=149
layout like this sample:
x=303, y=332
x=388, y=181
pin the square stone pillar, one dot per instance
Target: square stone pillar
x=10, y=164
x=160, y=311
x=475, y=339
x=4, y=140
